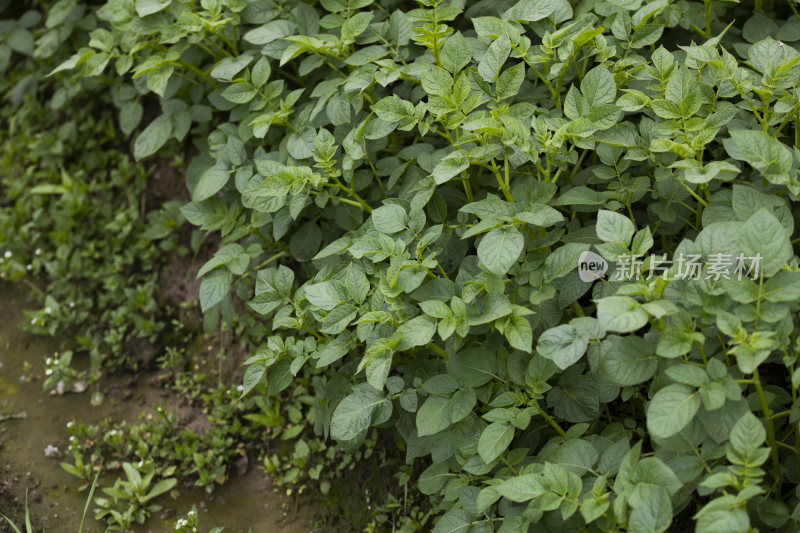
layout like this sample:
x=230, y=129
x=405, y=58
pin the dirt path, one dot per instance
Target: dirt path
x=248, y=501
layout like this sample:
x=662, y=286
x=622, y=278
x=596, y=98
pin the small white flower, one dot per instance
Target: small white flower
x=780, y=43
x=29, y=267
x=47, y=310
x=240, y=388
x=140, y=464
x=33, y=321
x=48, y=361
x=70, y=424
x=38, y=251
x=48, y=372
x=8, y=254
x=72, y=304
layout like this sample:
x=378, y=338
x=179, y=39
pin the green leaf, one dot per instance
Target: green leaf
x=58, y=12
x=339, y=318
x=354, y=413
x=20, y=40
x=529, y=11
x=158, y=78
x=783, y=287
x=148, y=7
x=326, y=295
x=688, y=375
x=393, y=109
x=613, y=227
x=474, y=366
x=598, y=87
x=620, y=314
x=437, y=81
x=563, y=260
x=462, y=404
x=456, y=53
x=389, y=219
x=500, y=248
x=562, y=345
x=627, y=361
x=164, y=485
x=130, y=115
x=519, y=333
x=154, y=136
x=759, y=150
x=450, y=166
x=652, y=513
x=229, y=67
x=214, y=288
x=269, y=32
x=747, y=435
x=356, y=25
x=488, y=308
x=723, y=515
x=239, y=93
x=434, y=478
x=671, y=409
x=510, y=81
x=494, y=440
x=260, y=72
x=575, y=400
x=762, y=235
x=494, y=58
x=305, y=241
x=521, y=488
x=211, y=182
x=416, y=332
x=455, y=521
x=433, y=416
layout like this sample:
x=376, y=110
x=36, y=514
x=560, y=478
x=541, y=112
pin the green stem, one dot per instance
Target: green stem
x=503, y=186
x=439, y=351
x=271, y=259
x=550, y=421
x=776, y=463
x=467, y=186
x=695, y=195
x=797, y=16
x=194, y=70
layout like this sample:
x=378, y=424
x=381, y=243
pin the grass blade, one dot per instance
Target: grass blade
x=12, y=524
x=28, y=526
x=88, y=501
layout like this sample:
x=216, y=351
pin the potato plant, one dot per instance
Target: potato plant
x=408, y=196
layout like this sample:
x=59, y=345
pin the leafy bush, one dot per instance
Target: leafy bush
x=403, y=192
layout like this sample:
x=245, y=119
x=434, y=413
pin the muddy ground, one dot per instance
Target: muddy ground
x=246, y=501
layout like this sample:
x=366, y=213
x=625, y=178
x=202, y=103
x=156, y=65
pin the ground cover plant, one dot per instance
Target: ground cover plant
x=74, y=224
x=403, y=194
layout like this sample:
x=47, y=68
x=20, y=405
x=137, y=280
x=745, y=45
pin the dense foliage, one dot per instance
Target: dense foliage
x=402, y=193
x=73, y=226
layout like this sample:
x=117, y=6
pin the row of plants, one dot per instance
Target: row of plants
x=90, y=232
x=274, y=435
x=75, y=224
x=402, y=193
